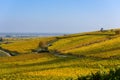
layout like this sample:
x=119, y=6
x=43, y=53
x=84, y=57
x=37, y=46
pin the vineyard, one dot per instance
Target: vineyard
x=70, y=57
x=47, y=66
x=25, y=46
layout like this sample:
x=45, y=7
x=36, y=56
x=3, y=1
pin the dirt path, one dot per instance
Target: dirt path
x=5, y=53
x=60, y=55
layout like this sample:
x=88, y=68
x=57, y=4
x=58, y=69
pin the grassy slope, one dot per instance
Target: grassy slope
x=25, y=46
x=98, y=47
x=88, y=44
x=75, y=42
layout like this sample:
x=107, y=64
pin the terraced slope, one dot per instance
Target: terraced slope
x=76, y=42
x=106, y=55
x=108, y=45
x=89, y=44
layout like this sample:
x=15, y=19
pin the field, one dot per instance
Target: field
x=25, y=45
x=69, y=57
x=47, y=66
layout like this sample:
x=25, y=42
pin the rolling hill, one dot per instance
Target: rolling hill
x=82, y=54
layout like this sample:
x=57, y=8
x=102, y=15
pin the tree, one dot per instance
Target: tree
x=101, y=29
x=1, y=39
x=42, y=47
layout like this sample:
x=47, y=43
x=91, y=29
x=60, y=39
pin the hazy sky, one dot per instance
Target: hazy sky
x=61, y=16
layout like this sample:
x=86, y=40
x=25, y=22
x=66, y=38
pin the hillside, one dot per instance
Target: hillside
x=24, y=46
x=88, y=44
x=69, y=57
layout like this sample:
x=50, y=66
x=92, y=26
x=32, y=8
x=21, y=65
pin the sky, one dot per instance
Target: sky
x=58, y=16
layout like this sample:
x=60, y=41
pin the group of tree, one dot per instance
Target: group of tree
x=117, y=31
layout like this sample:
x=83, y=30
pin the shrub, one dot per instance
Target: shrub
x=117, y=32
x=112, y=75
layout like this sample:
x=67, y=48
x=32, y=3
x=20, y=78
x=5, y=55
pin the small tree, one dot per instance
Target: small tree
x=1, y=39
x=41, y=44
x=101, y=29
x=42, y=47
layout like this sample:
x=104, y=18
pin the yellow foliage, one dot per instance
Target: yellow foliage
x=25, y=46
x=76, y=42
x=96, y=48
